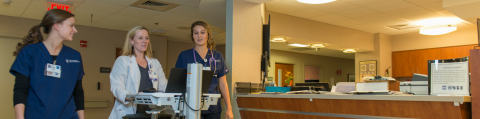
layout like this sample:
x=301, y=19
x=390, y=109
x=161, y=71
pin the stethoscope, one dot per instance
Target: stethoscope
x=209, y=60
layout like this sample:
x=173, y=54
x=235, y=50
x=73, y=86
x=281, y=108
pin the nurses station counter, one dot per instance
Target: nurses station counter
x=322, y=106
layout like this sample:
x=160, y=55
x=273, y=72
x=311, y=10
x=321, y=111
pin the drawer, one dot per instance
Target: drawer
x=419, y=88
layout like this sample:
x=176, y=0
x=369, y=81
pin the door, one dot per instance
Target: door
x=283, y=69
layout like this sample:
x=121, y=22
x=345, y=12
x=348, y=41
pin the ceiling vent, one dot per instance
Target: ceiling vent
x=154, y=5
x=403, y=26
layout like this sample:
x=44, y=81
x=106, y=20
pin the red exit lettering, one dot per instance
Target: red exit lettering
x=59, y=6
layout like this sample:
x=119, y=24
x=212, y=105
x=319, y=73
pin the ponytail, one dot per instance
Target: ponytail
x=33, y=36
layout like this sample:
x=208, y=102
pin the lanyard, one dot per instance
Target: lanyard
x=209, y=61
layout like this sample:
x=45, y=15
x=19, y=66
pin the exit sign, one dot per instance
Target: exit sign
x=65, y=6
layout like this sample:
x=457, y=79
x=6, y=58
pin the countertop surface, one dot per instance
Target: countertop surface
x=364, y=97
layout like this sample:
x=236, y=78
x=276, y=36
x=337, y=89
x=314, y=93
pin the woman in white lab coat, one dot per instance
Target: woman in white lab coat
x=136, y=70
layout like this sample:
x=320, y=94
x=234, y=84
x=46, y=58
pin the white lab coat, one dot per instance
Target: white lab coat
x=125, y=78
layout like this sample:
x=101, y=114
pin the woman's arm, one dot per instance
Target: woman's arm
x=226, y=96
x=20, y=94
x=79, y=98
x=117, y=80
x=81, y=114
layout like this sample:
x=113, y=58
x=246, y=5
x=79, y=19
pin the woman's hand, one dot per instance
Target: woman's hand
x=229, y=114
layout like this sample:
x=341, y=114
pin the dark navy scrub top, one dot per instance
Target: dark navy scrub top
x=186, y=57
x=49, y=97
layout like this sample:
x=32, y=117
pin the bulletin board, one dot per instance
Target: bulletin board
x=368, y=68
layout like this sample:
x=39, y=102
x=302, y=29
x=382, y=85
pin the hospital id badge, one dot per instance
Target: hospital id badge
x=206, y=68
x=53, y=70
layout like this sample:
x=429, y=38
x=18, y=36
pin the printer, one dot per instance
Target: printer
x=418, y=85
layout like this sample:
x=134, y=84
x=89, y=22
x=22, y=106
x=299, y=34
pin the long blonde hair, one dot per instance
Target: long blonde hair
x=128, y=48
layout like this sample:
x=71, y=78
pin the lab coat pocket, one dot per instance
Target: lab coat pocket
x=120, y=111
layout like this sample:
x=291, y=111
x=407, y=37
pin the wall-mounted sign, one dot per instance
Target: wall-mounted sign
x=63, y=6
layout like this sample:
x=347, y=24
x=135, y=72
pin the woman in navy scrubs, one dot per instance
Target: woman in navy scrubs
x=211, y=60
x=48, y=74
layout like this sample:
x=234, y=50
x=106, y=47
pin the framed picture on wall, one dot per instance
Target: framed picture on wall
x=351, y=77
x=368, y=68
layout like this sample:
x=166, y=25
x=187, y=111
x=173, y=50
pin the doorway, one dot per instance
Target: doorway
x=280, y=72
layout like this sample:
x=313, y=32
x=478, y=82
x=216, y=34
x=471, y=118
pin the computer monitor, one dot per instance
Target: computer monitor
x=317, y=86
x=177, y=82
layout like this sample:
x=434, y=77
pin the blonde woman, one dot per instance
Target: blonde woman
x=136, y=70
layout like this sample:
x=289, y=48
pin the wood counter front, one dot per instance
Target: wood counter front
x=272, y=107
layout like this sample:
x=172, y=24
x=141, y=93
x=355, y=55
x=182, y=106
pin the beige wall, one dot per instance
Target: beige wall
x=413, y=41
x=382, y=54
x=174, y=49
x=335, y=37
x=99, y=53
x=330, y=65
x=385, y=60
x=244, y=31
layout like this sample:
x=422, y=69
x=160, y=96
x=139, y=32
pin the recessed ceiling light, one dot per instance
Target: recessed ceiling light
x=317, y=45
x=437, y=29
x=298, y=45
x=438, y=21
x=315, y=1
x=279, y=39
x=349, y=50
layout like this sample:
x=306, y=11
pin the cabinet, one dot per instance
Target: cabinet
x=405, y=63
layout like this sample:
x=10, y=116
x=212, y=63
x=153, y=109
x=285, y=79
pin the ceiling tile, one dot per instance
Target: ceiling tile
x=391, y=22
x=357, y=12
x=336, y=6
x=20, y=3
x=100, y=6
x=138, y=12
x=390, y=5
x=409, y=11
x=280, y=7
x=193, y=3
x=347, y=23
x=189, y=22
x=185, y=11
x=38, y=5
x=422, y=2
x=376, y=17
x=171, y=30
x=111, y=24
x=177, y=1
x=417, y=18
x=119, y=2
x=83, y=16
x=329, y=18
x=385, y=31
x=166, y=19
x=307, y=13
x=366, y=2
x=11, y=11
x=411, y=30
x=436, y=6
x=34, y=14
x=124, y=18
x=447, y=13
x=364, y=26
